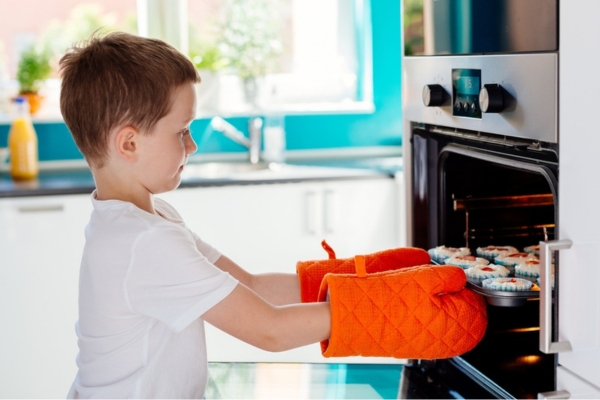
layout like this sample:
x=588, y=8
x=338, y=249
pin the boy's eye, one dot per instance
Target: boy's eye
x=185, y=132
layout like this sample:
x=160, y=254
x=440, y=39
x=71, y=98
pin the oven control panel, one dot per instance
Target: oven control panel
x=466, y=85
x=513, y=95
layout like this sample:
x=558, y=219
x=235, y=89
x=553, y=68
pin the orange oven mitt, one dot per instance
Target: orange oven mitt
x=311, y=273
x=423, y=312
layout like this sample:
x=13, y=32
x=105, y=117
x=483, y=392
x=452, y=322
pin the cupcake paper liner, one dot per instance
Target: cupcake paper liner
x=436, y=257
x=492, y=254
x=479, y=276
x=530, y=274
x=493, y=285
x=466, y=264
x=532, y=250
x=441, y=258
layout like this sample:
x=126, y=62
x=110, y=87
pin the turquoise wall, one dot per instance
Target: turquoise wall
x=303, y=132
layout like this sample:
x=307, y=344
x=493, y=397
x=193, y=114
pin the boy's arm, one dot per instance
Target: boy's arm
x=250, y=318
x=276, y=288
x=419, y=312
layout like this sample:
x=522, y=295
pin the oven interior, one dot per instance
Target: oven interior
x=472, y=192
x=483, y=204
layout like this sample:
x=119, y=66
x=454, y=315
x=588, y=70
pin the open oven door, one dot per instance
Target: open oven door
x=577, y=340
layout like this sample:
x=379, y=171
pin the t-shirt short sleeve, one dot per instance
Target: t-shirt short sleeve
x=206, y=249
x=171, y=280
x=171, y=213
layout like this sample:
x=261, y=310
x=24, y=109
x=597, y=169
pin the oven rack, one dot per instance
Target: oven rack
x=504, y=202
x=531, y=200
x=547, y=230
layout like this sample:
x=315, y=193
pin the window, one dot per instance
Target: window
x=50, y=27
x=293, y=55
x=296, y=56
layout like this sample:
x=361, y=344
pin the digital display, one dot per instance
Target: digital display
x=466, y=84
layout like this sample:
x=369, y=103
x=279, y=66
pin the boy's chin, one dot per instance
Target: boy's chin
x=167, y=187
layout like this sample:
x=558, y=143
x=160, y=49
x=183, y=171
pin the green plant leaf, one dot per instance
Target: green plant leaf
x=33, y=68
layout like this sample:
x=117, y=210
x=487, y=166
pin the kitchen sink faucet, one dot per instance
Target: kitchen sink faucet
x=254, y=132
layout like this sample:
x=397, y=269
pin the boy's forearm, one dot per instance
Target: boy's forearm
x=249, y=317
x=303, y=324
x=276, y=288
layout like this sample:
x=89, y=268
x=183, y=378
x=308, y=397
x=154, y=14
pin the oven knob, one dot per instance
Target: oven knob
x=434, y=95
x=491, y=98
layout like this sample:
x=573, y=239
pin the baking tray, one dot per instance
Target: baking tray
x=506, y=299
x=501, y=298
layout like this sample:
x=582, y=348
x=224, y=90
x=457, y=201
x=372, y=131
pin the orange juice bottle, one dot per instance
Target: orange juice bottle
x=23, y=144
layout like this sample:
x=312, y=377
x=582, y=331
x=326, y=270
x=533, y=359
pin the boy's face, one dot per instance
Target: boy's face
x=165, y=151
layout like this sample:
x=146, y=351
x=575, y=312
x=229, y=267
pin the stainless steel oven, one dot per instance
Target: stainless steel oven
x=486, y=151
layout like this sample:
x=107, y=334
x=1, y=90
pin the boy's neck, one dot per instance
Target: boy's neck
x=112, y=188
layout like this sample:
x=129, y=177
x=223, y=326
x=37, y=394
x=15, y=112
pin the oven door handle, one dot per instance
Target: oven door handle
x=546, y=251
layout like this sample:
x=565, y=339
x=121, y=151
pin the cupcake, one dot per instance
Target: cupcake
x=481, y=272
x=513, y=259
x=441, y=253
x=535, y=250
x=466, y=261
x=539, y=282
x=491, y=252
x=507, y=284
x=528, y=267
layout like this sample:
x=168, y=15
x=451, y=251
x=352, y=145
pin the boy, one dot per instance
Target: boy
x=147, y=282
x=130, y=117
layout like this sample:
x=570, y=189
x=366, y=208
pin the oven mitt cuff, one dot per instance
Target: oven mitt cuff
x=311, y=273
x=423, y=312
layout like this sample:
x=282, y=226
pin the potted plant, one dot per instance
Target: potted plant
x=208, y=61
x=251, y=41
x=34, y=67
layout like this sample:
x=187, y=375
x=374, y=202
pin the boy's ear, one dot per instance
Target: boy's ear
x=126, y=143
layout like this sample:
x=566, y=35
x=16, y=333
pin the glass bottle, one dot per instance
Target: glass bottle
x=23, y=143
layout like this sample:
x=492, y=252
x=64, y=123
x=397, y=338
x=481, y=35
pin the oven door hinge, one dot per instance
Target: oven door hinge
x=559, y=394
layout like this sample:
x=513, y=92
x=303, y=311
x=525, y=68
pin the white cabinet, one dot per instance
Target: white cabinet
x=579, y=213
x=265, y=228
x=269, y=227
x=572, y=386
x=41, y=241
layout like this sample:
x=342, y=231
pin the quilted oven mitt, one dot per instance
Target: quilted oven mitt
x=311, y=273
x=423, y=312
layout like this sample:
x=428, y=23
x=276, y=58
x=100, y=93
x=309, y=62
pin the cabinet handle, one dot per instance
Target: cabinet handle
x=41, y=208
x=312, y=213
x=331, y=211
x=546, y=344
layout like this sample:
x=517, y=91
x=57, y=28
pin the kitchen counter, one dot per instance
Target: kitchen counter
x=79, y=180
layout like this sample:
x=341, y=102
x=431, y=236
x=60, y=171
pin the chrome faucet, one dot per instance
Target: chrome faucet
x=254, y=132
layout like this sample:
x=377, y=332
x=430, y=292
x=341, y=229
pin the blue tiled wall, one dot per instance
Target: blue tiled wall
x=303, y=132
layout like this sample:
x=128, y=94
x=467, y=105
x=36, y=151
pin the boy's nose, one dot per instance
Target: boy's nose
x=190, y=145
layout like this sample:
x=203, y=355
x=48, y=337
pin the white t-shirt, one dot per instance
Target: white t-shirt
x=144, y=282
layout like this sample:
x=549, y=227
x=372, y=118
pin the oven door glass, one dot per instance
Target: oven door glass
x=446, y=27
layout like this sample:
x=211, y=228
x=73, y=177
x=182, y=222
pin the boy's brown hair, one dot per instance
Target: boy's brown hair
x=117, y=80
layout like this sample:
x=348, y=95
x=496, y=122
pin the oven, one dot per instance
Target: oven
x=485, y=111
x=474, y=189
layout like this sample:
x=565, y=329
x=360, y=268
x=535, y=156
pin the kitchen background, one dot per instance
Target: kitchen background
x=355, y=210
x=374, y=125
x=349, y=108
